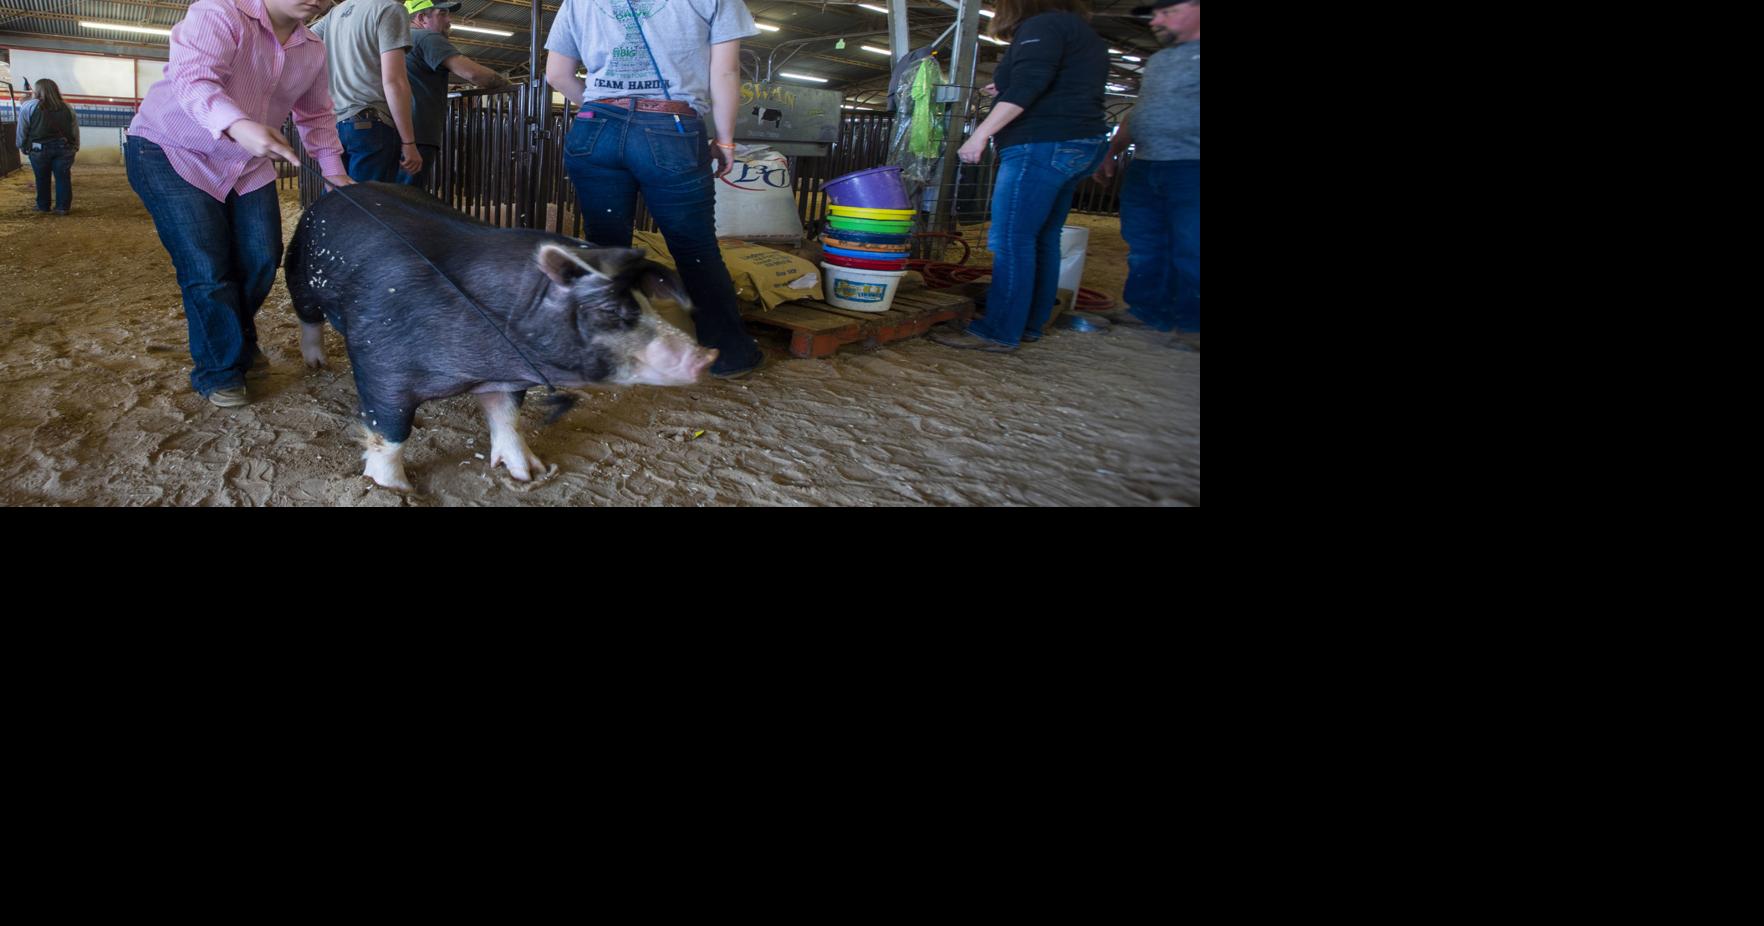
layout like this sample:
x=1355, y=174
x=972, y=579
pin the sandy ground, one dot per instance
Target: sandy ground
x=96, y=407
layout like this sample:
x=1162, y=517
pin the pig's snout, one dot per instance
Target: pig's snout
x=676, y=361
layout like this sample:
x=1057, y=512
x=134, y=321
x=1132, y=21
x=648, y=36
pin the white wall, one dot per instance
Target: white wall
x=90, y=76
x=100, y=146
x=77, y=75
x=147, y=73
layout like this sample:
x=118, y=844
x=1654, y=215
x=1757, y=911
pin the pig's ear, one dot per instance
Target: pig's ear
x=567, y=265
x=658, y=283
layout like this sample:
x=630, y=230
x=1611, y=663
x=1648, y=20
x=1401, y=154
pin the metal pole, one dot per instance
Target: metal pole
x=898, y=39
x=538, y=120
x=964, y=56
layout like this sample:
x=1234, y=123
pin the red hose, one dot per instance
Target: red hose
x=939, y=275
x=1089, y=300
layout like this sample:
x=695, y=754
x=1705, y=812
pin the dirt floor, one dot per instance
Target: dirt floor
x=96, y=406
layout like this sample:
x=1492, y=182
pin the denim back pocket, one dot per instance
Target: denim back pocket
x=678, y=152
x=580, y=142
x=1079, y=156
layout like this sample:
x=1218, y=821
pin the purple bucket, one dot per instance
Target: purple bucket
x=876, y=188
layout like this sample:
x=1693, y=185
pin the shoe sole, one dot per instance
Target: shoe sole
x=738, y=375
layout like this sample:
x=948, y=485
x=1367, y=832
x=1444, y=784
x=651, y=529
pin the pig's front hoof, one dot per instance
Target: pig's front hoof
x=385, y=466
x=402, y=488
x=316, y=363
x=397, y=482
x=521, y=462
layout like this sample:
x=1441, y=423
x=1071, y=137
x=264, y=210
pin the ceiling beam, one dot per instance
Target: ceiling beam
x=106, y=45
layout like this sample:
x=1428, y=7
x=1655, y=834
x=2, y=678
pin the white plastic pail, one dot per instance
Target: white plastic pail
x=1074, y=242
x=862, y=290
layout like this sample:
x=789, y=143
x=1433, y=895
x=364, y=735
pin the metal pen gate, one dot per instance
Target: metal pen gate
x=502, y=164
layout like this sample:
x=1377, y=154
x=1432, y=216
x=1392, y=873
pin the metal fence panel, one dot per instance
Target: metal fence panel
x=502, y=161
x=9, y=159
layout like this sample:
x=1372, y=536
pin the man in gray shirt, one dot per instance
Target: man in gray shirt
x=431, y=60
x=1160, y=196
x=365, y=42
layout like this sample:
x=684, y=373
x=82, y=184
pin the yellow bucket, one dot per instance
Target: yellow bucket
x=884, y=215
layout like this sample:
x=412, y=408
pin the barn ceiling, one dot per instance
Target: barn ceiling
x=53, y=25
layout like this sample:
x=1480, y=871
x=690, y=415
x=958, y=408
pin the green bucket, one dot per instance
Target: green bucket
x=869, y=225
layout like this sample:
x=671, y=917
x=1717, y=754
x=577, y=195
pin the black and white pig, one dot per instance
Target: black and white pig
x=580, y=314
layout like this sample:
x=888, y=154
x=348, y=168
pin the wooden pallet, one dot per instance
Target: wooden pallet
x=817, y=329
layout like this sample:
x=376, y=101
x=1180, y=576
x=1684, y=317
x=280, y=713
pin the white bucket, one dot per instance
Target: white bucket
x=862, y=290
x=1074, y=242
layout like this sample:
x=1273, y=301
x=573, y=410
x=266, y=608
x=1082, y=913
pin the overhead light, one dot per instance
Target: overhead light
x=878, y=9
x=1133, y=58
x=1116, y=51
x=766, y=27
x=993, y=40
x=485, y=31
x=868, y=109
x=879, y=51
x=1117, y=88
x=121, y=28
x=818, y=80
x=987, y=13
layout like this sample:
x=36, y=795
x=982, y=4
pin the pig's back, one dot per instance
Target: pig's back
x=345, y=246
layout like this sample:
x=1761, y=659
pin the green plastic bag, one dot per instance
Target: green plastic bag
x=927, y=127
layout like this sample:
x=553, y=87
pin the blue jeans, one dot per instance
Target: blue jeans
x=371, y=153
x=616, y=154
x=55, y=160
x=1160, y=219
x=1030, y=200
x=225, y=254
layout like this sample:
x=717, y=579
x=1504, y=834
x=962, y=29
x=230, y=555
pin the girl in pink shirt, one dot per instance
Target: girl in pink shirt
x=199, y=156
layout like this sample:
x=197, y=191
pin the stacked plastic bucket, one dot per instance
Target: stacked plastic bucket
x=868, y=235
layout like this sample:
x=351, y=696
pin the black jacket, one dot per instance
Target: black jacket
x=1056, y=68
x=45, y=124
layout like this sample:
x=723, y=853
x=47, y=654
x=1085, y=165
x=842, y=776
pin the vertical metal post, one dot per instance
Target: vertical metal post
x=963, y=60
x=538, y=117
x=898, y=39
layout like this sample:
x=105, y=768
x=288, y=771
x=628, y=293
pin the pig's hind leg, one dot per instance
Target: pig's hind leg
x=507, y=447
x=312, y=344
x=306, y=289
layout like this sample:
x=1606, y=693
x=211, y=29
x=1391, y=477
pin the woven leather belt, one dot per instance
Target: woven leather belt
x=643, y=105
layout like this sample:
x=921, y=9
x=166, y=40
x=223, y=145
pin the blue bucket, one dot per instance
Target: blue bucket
x=862, y=255
x=870, y=237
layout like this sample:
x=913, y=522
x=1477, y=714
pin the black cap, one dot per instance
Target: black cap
x=1155, y=5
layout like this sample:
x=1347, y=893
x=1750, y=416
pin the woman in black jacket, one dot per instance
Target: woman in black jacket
x=49, y=132
x=1051, y=133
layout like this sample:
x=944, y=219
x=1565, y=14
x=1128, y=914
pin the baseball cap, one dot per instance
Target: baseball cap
x=413, y=7
x=1138, y=10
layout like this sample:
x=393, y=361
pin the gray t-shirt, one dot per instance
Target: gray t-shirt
x=355, y=34
x=1166, y=123
x=428, y=83
x=602, y=35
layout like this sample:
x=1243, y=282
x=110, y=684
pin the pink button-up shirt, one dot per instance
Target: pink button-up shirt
x=227, y=65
